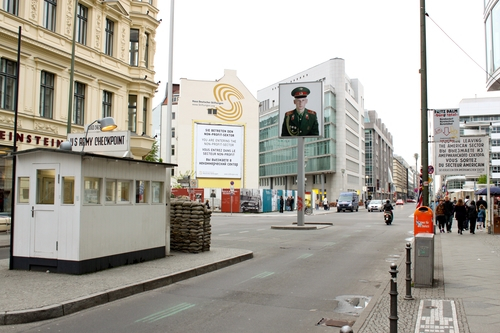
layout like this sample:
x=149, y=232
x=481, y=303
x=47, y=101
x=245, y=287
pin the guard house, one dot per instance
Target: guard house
x=79, y=212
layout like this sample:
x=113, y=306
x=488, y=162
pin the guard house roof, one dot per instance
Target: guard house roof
x=86, y=154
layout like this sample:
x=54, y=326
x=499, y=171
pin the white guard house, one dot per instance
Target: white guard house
x=79, y=212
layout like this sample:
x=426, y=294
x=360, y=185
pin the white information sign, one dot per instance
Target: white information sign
x=446, y=125
x=468, y=157
x=113, y=141
x=218, y=151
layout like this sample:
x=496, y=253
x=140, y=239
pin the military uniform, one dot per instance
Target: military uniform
x=300, y=124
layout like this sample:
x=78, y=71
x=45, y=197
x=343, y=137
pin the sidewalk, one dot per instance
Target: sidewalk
x=466, y=275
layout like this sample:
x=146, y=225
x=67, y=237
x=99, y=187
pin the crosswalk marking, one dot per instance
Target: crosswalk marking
x=165, y=313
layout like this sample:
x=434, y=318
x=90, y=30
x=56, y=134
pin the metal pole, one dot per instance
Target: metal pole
x=393, y=318
x=408, y=295
x=72, y=73
x=300, y=181
x=423, y=102
x=170, y=88
x=14, y=149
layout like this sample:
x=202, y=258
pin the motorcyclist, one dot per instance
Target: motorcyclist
x=388, y=208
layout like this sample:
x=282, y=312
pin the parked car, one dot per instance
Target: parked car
x=376, y=205
x=400, y=202
x=411, y=200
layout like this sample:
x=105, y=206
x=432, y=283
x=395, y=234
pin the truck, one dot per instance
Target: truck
x=348, y=201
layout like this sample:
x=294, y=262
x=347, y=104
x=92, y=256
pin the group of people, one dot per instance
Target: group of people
x=468, y=214
x=324, y=203
x=286, y=204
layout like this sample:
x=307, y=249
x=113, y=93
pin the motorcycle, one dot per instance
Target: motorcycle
x=388, y=217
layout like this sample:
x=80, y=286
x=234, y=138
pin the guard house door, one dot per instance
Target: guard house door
x=44, y=203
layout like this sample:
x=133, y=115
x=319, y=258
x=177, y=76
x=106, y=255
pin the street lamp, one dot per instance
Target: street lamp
x=106, y=124
x=366, y=185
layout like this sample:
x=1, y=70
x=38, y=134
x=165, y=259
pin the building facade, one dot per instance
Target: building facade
x=212, y=133
x=402, y=178
x=113, y=71
x=379, y=157
x=335, y=162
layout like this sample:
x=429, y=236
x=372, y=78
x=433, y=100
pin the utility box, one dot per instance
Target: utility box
x=423, y=272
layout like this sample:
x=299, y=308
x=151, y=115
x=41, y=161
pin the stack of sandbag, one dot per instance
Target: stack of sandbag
x=190, y=229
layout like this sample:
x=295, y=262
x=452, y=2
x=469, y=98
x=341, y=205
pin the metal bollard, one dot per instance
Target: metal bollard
x=346, y=329
x=393, y=318
x=408, y=295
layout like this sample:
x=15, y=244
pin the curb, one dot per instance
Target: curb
x=75, y=305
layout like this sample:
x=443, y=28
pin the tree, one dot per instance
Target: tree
x=483, y=180
x=152, y=156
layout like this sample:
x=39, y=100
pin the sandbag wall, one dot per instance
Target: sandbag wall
x=190, y=229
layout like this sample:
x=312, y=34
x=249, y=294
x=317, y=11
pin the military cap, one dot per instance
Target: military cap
x=300, y=92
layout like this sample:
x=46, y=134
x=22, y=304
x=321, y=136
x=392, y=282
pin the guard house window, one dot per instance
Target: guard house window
x=91, y=190
x=144, y=115
x=49, y=14
x=107, y=98
x=47, y=95
x=157, y=192
x=79, y=103
x=146, y=52
x=68, y=190
x=212, y=111
x=118, y=191
x=8, y=76
x=108, y=47
x=134, y=47
x=132, y=113
x=81, y=24
x=141, y=191
x=11, y=6
x=23, y=193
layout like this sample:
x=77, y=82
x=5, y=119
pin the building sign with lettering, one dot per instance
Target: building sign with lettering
x=115, y=143
x=469, y=156
x=218, y=151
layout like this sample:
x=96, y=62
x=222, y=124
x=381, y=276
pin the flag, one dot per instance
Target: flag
x=420, y=197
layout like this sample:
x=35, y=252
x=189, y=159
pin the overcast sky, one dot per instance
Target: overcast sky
x=266, y=41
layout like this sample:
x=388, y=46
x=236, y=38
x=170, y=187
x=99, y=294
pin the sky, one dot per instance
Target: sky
x=266, y=41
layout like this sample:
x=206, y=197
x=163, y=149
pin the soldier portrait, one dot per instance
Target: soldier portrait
x=301, y=121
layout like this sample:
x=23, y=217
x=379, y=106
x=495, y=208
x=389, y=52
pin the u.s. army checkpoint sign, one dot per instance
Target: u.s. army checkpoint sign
x=469, y=156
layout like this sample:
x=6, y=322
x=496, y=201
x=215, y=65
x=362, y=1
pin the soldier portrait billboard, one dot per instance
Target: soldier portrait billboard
x=301, y=109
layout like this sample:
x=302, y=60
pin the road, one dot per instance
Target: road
x=295, y=279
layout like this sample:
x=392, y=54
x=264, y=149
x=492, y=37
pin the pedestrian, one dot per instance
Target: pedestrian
x=480, y=202
x=292, y=201
x=466, y=204
x=460, y=215
x=288, y=203
x=448, y=213
x=472, y=214
x=317, y=203
x=282, y=203
x=207, y=204
x=440, y=215
x=481, y=214
x=325, y=203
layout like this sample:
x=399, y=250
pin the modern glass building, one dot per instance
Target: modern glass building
x=335, y=162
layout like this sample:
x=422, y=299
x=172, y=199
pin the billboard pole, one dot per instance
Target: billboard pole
x=300, y=181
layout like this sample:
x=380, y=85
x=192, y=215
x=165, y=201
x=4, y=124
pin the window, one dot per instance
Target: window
x=118, y=191
x=212, y=111
x=173, y=115
x=146, y=52
x=81, y=24
x=23, y=195
x=91, y=190
x=173, y=150
x=108, y=47
x=8, y=76
x=144, y=115
x=79, y=103
x=68, y=190
x=173, y=132
x=157, y=189
x=47, y=95
x=11, y=6
x=45, y=184
x=132, y=112
x=134, y=47
x=49, y=14
x=107, y=98
x=141, y=191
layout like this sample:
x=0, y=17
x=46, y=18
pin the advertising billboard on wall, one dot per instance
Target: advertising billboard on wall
x=218, y=150
x=301, y=109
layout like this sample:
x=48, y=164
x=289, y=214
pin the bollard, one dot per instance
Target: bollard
x=346, y=329
x=393, y=318
x=408, y=295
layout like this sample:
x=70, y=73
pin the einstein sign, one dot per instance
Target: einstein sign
x=469, y=156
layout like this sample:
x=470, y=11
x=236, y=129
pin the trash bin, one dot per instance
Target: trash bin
x=423, y=221
x=424, y=260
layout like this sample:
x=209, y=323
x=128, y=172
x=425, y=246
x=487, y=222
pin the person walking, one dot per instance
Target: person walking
x=288, y=200
x=325, y=203
x=460, y=215
x=466, y=204
x=472, y=214
x=481, y=215
x=440, y=215
x=292, y=201
x=448, y=213
x=282, y=203
x=480, y=202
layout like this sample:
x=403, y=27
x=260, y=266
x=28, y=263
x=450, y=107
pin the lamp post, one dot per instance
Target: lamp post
x=366, y=184
x=105, y=124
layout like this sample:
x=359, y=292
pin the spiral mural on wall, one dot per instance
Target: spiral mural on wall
x=227, y=93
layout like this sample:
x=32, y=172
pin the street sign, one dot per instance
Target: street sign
x=430, y=170
x=468, y=157
x=446, y=125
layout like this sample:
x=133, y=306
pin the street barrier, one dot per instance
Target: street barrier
x=408, y=295
x=393, y=318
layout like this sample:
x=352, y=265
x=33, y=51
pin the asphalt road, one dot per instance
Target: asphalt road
x=295, y=279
